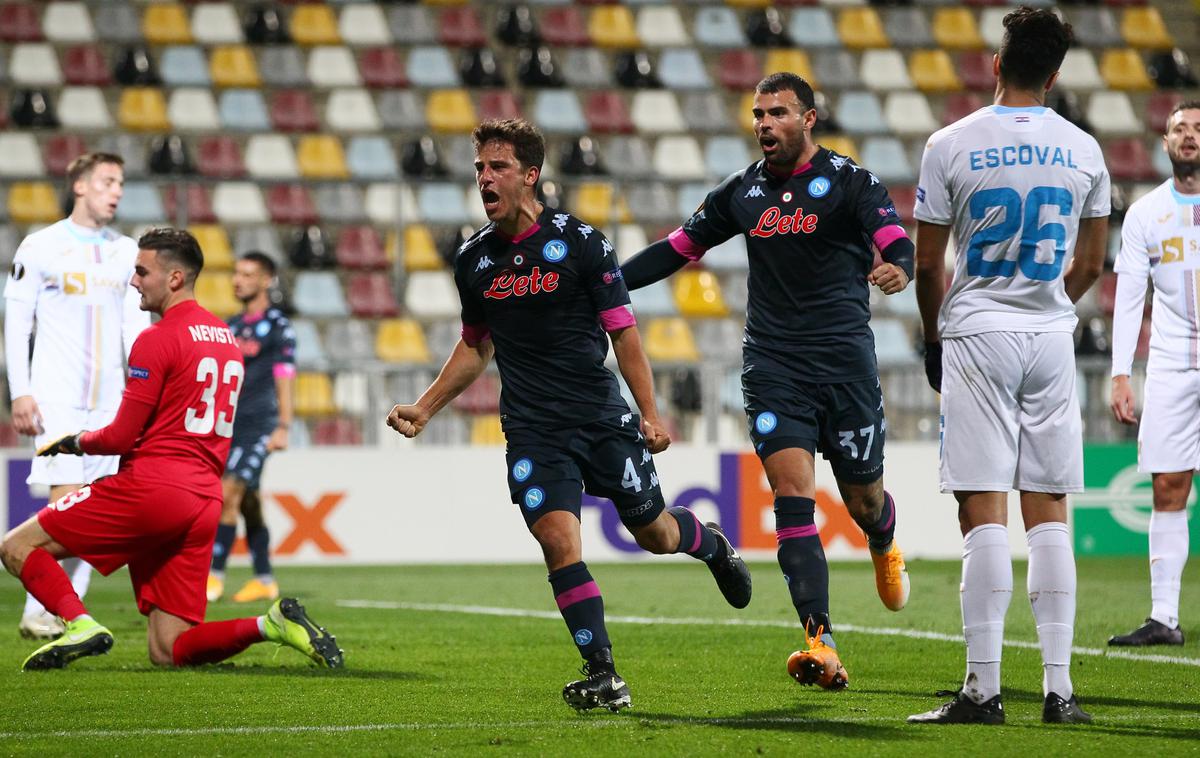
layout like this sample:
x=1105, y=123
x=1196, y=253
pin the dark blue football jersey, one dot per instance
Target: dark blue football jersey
x=809, y=238
x=266, y=340
x=547, y=298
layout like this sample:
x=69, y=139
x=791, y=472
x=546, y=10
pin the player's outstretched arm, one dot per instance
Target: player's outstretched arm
x=1088, y=262
x=463, y=367
x=635, y=367
x=119, y=437
x=68, y=444
x=651, y=264
x=931, y=290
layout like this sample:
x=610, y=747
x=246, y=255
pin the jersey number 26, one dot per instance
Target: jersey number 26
x=1027, y=224
x=207, y=417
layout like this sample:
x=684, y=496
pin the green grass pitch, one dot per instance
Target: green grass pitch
x=435, y=665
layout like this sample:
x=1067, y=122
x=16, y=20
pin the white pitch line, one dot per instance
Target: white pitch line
x=916, y=634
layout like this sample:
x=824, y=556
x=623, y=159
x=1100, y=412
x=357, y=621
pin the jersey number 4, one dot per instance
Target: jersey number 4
x=1028, y=224
x=206, y=418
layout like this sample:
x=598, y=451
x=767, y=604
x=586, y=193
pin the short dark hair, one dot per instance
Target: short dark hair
x=262, y=259
x=1034, y=45
x=1186, y=105
x=529, y=146
x=177, y=246
x=782, y=80
x=83, y=165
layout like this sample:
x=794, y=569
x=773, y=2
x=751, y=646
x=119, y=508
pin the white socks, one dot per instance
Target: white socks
x=1168, y=554
x=80, y=572
x=986, y=591
x=1052, y=594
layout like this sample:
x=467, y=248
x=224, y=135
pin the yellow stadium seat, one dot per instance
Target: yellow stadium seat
x=486, y=430
x=233, y=66
x=791, y=59
x=955, y=28
x=420, y=254
x=1144, y=28
x=400, y=340
x=450, y=110
x=698, y=295
x=593, y=202
x=670, y=339
x=746, y=112
x=320, y=156
x=214, y=291
x=933, y=71
x=861, y=28
x=748, y=3
x=391, y=246
x=843, y=145
x=444, y=2
x=314, y=24
x=166, y=24
x=1123, y=69
x=143, y=109
x=214, y=243
x=33, y=203
x=314, y=395
x=613, y=26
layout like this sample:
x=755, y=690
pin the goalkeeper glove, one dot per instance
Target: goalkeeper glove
x=933, y=365
x=65, y=445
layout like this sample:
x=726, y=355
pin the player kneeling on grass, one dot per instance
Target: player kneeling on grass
x=158, y=514
x=542, y=291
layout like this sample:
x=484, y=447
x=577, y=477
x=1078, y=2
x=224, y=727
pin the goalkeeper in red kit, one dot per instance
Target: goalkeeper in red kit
x=158, y=514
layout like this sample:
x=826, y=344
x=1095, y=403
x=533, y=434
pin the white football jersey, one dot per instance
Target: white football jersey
x=1160, y=239
x=1013, y=183
x=85, y=310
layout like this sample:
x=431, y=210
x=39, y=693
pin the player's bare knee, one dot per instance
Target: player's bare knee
x=654, y=539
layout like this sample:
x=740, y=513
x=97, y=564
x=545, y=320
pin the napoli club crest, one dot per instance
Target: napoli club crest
x=818, y=187
x=554, y=251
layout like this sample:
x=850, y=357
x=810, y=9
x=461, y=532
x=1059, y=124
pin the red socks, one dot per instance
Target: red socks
x=47, y=582
x=215, y=641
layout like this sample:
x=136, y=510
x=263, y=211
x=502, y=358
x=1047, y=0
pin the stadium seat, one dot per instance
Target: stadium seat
x=959, y=105
x=382, y=68
x=498, y=104
x=340, y=202
x=729, y=256
x=115, y=23
x=564, y=26
x=291, y=204
x=19, y=23
x=332, y=66
x=725, y=155
x=192, y=109
x=1095, y=27
x=1078, y=71
x=842, y=146
x=84, y=108
x=650, y=203
x=401, y=340
x=431, y=67
x=705, y=111
x=483, y=396
x=401, y=110
x=442, y=203
x=606, y=113
x=933, y=71
x=812, y=28
x=885, y=157
x=884, y=70
x=239, y=203
x=68, y=22
x=670, y=340
x=904, y=197
x=58, y=151
x=314, y=24
x=142, y=109
x=314, y=395
x=1129, y=160
x=431, y=295
x=909, y=115
x=219, y=157
x=318, y=294
x=836, y=69
x=34, y=64
x=320, y=157
x=33, y=203
x=21, y=155
x=478, y=68
x=678, y=157
x=351, y=110
x=364, y=24
x=293, y=111
x=360, y=247
x=516, y=25
x=166, y=24
x=558, y=112
x=337, y=431
x=461, y=27
x=593, y=202
x=310, y=350
x=487, y=430
x=216, y=24
x=908, y=27
x=218, y=255
x=536, y=67
x=411, y=25
x=182, y=66
x=131, y=147
x=955, y=29
x=613, y=26
x=1112, y=113
x=698, y=294
x=214, y=291
x=134, y=66
x=661, y=26
x=717, y=27
x=656, y=112
x=793, y=60
x=350, y=388
x=682, y=69
x=860, y=28
x=234, y=66
x=654, y=300
x=739, y=70
x=1158, y=109
x=259, y=236
x=861, y=113
x=282, y=66
x=311, y=249
x=1123, y=69
x=370, y=295
x=389, y=203
x=893, y=342
x=85, y=64
x=1144, y=29
x=586, y=67
x=975, y=70
x=628, y=156
x=270, y=156
x=450, y=110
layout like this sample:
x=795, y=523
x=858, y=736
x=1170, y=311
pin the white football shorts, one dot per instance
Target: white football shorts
x=1169, y=433
x=1010, y=413
x=58, y=420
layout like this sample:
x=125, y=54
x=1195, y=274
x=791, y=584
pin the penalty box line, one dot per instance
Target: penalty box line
x=915, y=634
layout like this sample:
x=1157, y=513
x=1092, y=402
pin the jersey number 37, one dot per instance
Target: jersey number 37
x=207, y=417
x=1027, y=224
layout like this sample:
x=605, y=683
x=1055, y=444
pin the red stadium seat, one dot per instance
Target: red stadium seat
x=739, y=70
x=564, y=26
x=903, y=197
x=293, y=111
x=960, y=105
x=19, y=22
x=1106, y=293
x=461, y=27
x=483, y=396
x=199, y=204
x=370, y=295
x=86, y=64
x=975, y=70
x=498, y=103
x=1158, y=108
x=361, y=247
x=220, y=157
x=60, y=150
x=291, y=204
x=1129, y=160
x=337, y=431
x=9, y=436
x=382, y=68
x=606, y=112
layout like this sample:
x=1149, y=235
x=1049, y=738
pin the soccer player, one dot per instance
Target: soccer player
x=810, y=218
x=158, y=514
x=268, y=345
x=541, y=290
x=1160, y=239
x=71, y=279
x=1025, y=195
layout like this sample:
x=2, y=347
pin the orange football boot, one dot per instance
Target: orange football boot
x=818, y=665
x=891, y=577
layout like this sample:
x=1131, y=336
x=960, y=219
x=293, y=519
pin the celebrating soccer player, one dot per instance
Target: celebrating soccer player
x=268, y=345
x=71, y=279
x=810, y=217
x=1160, y=239
x=541, y=290
x=158, y=514
x=1026, y=196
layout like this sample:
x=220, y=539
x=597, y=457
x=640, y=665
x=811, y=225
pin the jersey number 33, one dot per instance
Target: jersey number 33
x=208, y=417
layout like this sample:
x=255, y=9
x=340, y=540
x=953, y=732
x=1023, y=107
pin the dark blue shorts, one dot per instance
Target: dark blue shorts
x=247, y=455
x=548, y=470
x=844, y=421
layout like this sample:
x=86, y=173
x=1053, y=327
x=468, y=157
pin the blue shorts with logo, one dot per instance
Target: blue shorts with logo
x=548, y=470
x=844, y=421
x=247, y=456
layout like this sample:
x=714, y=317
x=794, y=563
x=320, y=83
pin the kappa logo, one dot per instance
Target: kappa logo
x=585, y=230
x=755, y=191
x=560, y=220
x=484, y=262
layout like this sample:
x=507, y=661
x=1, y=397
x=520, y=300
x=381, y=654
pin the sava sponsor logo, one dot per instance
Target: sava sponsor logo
x=773, y=221
x=510, y=284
